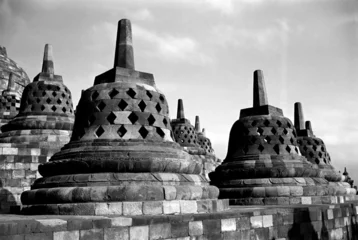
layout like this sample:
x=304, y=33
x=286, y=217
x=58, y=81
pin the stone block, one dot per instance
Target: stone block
x=18, y=174
x=139, y=233
x=196, y=228
x=267, y=221
x=160, y=231
x=243, y=223
x=180, y=229
x=51, y=225
x=228, y=225
x=91, y=234
x=102, y=223
x=121, y=222
x=132, y=208
x=115, y=208
x=101, y=209
x=66, y=235
x=212, y=226
x=39, y=236
x=330, y=214
x=231, y=235
x=188, y=207
x=170, y=192
x=79, y=224
x=306, y=200
x=153, y=207
x=171, y=207
x=256, y=222
x=10, y=151
x=119, y=233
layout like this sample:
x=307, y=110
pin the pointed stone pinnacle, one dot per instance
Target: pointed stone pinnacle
x=47, y=64
x=3, y=51
x=345, y=173
x=203, y=132
x=197, y=124
x=11, y=82
x=260, y=96
x=124, y=48
x=299, y=119
x=309, y=126
x=180, y=112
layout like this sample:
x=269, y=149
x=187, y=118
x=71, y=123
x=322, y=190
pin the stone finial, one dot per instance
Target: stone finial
x=260, y=96
x=3, y=51
x=309, y=126
x=124, y=48
x=197, y=124
x=11, y=83
x=180, y=112
x=203, y=132
x=47, y=64
x=299, y=119
x=345, y=173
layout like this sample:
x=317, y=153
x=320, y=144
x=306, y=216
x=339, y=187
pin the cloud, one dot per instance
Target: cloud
x=168, y=47
x=224, y=6
x=139, y=15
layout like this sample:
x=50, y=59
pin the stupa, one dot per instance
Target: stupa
x=42, y=126
x=122, y=158
x=314, y=149
x=13, y=79
x=264, y=164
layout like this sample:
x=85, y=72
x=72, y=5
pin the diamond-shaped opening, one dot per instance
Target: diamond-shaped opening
x=261, y=148
x=185, y=136
x=320, y=154
x=314, y=147
x=288, y=149
x=63, y=95
x=99, y=131
x=54, y=108
x=32, y=108
x=296, y=149
x=317, y=161
x=113, y=93
x=281, y=139
x=59, y=101
x=316, y=142
x=254, y=123
x=91, y=119
x=95, y=95
x=42, y=107
x=294, y=133
x=266, y=123
x=44, y=93
x=133, y=117
x=325, y=161
x=142, y=105
x=322, y=148
x=245, y=149
x=151, y=120
x=49, y=87
x=158, y=107
x=122, y=131
x=122, y=104
x=111, y=117
x=64, y=110
x=40, y=87
x=160, y=132
x=285, y=131
x=260, y=131
x=279, y=123
x=274, y=131
x=58, y=88
x=48, y=100
x=66, y=89
x=311, y=154
x=305, y=148
x=165, y=121
x=161, y=98
x=277, y=149
x=131, y=93
x=149, y=95
x=267, y=139
x=38, y=100
x=292, y=141
x=34, y=94
x=101, y=106
x=54, y=94
x=143, y=132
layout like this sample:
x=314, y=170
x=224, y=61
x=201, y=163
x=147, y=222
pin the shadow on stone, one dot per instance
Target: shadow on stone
x=8, y=203
x=302, y=227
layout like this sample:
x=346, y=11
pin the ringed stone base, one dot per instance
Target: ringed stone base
x=130, y=208
x=335, y=221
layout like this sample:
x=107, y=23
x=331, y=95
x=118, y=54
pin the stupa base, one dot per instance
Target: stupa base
x=304, y=200
x=49, y=136
x=130, y=208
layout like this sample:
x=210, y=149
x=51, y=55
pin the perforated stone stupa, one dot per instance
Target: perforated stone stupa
x=314, y=149
x=122, y=158
x=264, y=164
x=13, y=79
x=42, y=126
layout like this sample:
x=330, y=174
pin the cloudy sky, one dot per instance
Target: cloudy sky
x=205, y=52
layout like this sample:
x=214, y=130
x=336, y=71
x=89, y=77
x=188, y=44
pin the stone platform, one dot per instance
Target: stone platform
x=335, y=221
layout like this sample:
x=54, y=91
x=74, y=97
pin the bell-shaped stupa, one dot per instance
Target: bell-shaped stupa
x=264, y=164
x=122, y=158
x=13, y=79
x=46, y=110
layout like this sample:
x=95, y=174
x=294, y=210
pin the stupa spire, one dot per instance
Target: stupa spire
x=48, y=64
x=299, y=119
x=124, y=48
x=180, y=112
x=260, y=95
x=309, y=126
x=197, y=124
x=11, y=83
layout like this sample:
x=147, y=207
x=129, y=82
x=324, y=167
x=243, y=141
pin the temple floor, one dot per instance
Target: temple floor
x=320, y=221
